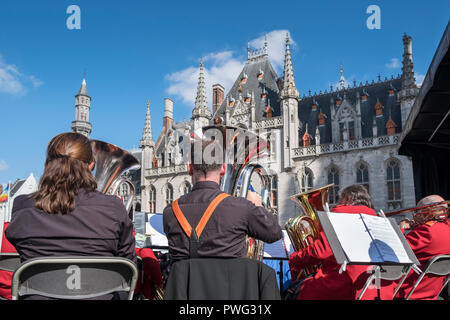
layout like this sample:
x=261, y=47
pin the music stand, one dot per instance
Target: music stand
x=341, y=255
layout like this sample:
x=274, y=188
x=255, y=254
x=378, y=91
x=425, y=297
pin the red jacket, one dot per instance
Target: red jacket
x=6, y=276
x=427, y=241
x=152, y=273
x=327, y=283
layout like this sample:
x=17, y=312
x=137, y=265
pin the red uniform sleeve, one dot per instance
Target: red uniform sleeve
x=314, y=254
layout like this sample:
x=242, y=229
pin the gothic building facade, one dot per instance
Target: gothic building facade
x=345, y=135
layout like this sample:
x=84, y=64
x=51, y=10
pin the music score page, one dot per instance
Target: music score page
x=368, y=239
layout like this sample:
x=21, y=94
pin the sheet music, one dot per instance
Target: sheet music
x=368, y=239
x=386, y=239
x=354, y=237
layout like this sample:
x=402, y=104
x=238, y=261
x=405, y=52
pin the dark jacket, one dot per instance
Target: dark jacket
x=225, y=233
x=98, y=226
x=221, y=279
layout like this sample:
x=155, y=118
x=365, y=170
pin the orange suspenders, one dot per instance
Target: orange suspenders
x=193, y=236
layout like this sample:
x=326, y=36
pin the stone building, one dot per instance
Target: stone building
x=345, y=135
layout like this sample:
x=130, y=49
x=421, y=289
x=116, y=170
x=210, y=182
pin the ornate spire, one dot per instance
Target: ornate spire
x=341, y=80
x=408, y=79
x=289, y=88
x=147, y=140
x=201, y=107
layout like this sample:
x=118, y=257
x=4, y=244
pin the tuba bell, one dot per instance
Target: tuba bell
x=305, y=228
x=111, y=162
x=243, y=150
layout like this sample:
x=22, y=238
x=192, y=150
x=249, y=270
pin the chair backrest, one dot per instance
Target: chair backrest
x=388, y=272
x=394, y=272
x=438, y=265
x=9, y=261
x=74, y=277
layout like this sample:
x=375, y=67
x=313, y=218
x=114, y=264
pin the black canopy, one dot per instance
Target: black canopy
x=426, y=135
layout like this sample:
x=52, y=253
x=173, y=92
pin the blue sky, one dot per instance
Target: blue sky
x=133, y=51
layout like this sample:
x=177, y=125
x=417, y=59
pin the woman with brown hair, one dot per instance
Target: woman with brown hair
x=67, y=216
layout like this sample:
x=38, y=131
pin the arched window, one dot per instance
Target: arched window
x=169, y=194
x=186, y=187
x=362, y=175
x=152, y=199
x=306, y=180
x=333, y=177
x=394, y=192
x=274, y=192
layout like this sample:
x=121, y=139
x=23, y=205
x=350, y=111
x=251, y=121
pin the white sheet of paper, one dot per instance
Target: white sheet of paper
x=354, y=237
x=386, y=239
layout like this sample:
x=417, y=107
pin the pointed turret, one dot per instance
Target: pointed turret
x=409, y=89
x=289, y=89
x=341, y=79
x=289, y=102
x=201, y=114
x=82, y=109
x=147, y=139
x=408, y=79
x=83, y=89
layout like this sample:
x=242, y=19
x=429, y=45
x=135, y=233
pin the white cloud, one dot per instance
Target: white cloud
x=276, y=44
x=419, y=78
x=3, y=165
x=223, y=67
x=12, y=81
x=393, y=64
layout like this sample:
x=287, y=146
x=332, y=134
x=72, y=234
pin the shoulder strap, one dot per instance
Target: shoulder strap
x=212, y=206
x=204, y=219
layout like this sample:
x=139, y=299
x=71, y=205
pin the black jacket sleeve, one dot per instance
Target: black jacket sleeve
x=262, y=224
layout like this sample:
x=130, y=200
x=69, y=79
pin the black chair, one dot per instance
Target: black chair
x=74, y=277
x=440, y=266
x=221, y=279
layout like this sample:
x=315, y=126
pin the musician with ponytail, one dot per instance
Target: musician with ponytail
x=67, y=215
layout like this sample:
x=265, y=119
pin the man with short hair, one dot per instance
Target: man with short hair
x=230, y=221
x=429, y=237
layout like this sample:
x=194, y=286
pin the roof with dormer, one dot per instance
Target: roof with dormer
x=258, y=79
x=380, y=91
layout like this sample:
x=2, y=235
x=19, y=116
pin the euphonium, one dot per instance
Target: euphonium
x=304, y=229
x=110, y=163
x=242, y=151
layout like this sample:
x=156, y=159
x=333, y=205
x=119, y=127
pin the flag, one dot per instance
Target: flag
x=5, y=194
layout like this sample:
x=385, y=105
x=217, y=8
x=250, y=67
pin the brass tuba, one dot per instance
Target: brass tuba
x=111, y=162
x=242, y=151
x=305, y=228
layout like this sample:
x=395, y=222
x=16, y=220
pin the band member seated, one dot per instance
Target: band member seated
x=327, y=283
x=429, y=237
x=231, y=218
x=67, y=216
x=152, y=276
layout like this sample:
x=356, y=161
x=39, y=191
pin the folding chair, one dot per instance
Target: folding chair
x=74, y=277
x=9, y=261
x=440, y=266
x=140, y=268
x=390, y=273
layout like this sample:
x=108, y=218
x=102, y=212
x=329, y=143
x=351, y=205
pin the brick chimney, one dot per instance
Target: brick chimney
x=218, y=95
x=168, y=114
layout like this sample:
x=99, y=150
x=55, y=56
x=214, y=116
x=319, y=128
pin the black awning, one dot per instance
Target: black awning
x=428, y=125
